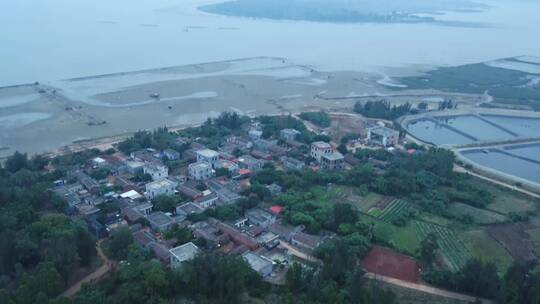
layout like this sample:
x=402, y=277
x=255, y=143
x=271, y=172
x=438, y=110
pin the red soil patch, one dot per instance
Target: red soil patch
x=385, y=262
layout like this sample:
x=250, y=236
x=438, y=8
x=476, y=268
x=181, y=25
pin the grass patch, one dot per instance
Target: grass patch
x=434, y=219
x=482, y=246
x=413, y=296
x=480, y=216
x=534, y=235
x=366, y=202
x=403, y=239
x=506, y=201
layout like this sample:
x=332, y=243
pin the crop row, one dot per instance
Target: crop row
x=394, y=210
x=451, y=247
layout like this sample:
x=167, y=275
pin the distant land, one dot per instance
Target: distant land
x=341, y=11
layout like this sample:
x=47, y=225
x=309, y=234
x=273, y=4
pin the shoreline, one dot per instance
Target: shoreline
x=44, y=117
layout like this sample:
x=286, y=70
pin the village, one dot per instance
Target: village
x=210, y=179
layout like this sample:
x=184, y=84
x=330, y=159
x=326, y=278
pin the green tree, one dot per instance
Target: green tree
x=218, y=276
x=165, y=203
x=16, y=162
x=521, y=284
x=119, y=244
x=428, y=249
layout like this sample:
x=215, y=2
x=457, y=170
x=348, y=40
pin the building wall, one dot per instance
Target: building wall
x=213, y=161
x=199, y=172
x=317, y=153
x=168, y=190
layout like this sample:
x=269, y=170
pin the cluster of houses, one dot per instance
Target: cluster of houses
x=259, y=236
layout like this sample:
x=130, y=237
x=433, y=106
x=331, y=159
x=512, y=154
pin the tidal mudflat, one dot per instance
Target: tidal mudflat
x=43, y=117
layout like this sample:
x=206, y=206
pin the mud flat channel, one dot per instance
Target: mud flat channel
x=45, y=116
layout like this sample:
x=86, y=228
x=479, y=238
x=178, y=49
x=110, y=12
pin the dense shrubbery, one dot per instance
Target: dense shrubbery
x=335, y=281
x=159, y=139
x=426, y=179
x=321, y=119
x=382, y=109
x=39, y=250
x=213, y=131
x=271, y=125
x=209, y=278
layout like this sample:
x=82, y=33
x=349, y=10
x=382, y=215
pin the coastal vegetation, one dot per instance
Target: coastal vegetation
x=507, y=86
x=40, y=248
x=382, y=109
x=340, y=11
x=320, y=119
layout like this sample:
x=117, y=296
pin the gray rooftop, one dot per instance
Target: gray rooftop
x=185, y=252
x=207, y=153
x=189, y=208
x=162, y=183
x=200, y=165
x=159, y=218
x=333, y=156
x=322, y=145
x=257, y=262
x=384, y=131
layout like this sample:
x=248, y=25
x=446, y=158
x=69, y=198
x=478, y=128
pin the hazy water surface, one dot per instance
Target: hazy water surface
x=56, y=39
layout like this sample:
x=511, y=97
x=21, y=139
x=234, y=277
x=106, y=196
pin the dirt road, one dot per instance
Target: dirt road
x=105, y=268
x=420, y=287
x=426, y=289
x=297, y=253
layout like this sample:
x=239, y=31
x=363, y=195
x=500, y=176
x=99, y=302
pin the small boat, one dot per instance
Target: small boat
x=155, y=95
x=485, y=151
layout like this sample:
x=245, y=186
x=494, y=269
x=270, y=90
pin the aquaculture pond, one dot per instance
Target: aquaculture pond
x=436, y=133
x=506, y=163
x=524, y=127
x=531, y=151
x=464, y=129
x=476, y=127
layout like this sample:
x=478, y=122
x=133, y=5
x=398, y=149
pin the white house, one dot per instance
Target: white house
x=157, y=171
x=383, y=136
x=288, y=134
x=160, y=187
x=320, y=148
x=255, y=134
x=200, y=170
x=208, y=156
x=182, y=253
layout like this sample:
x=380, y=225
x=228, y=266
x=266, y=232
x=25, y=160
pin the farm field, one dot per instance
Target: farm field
x=515, y=238
x=390, y=210
x=396, y=209
x=534, y=235
x=507, y=201
x=386, y=262
x=451, y=247
x=435, y=219
x=364, y=203
x=480, y=216
x=483, y=247
x=404, y=239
